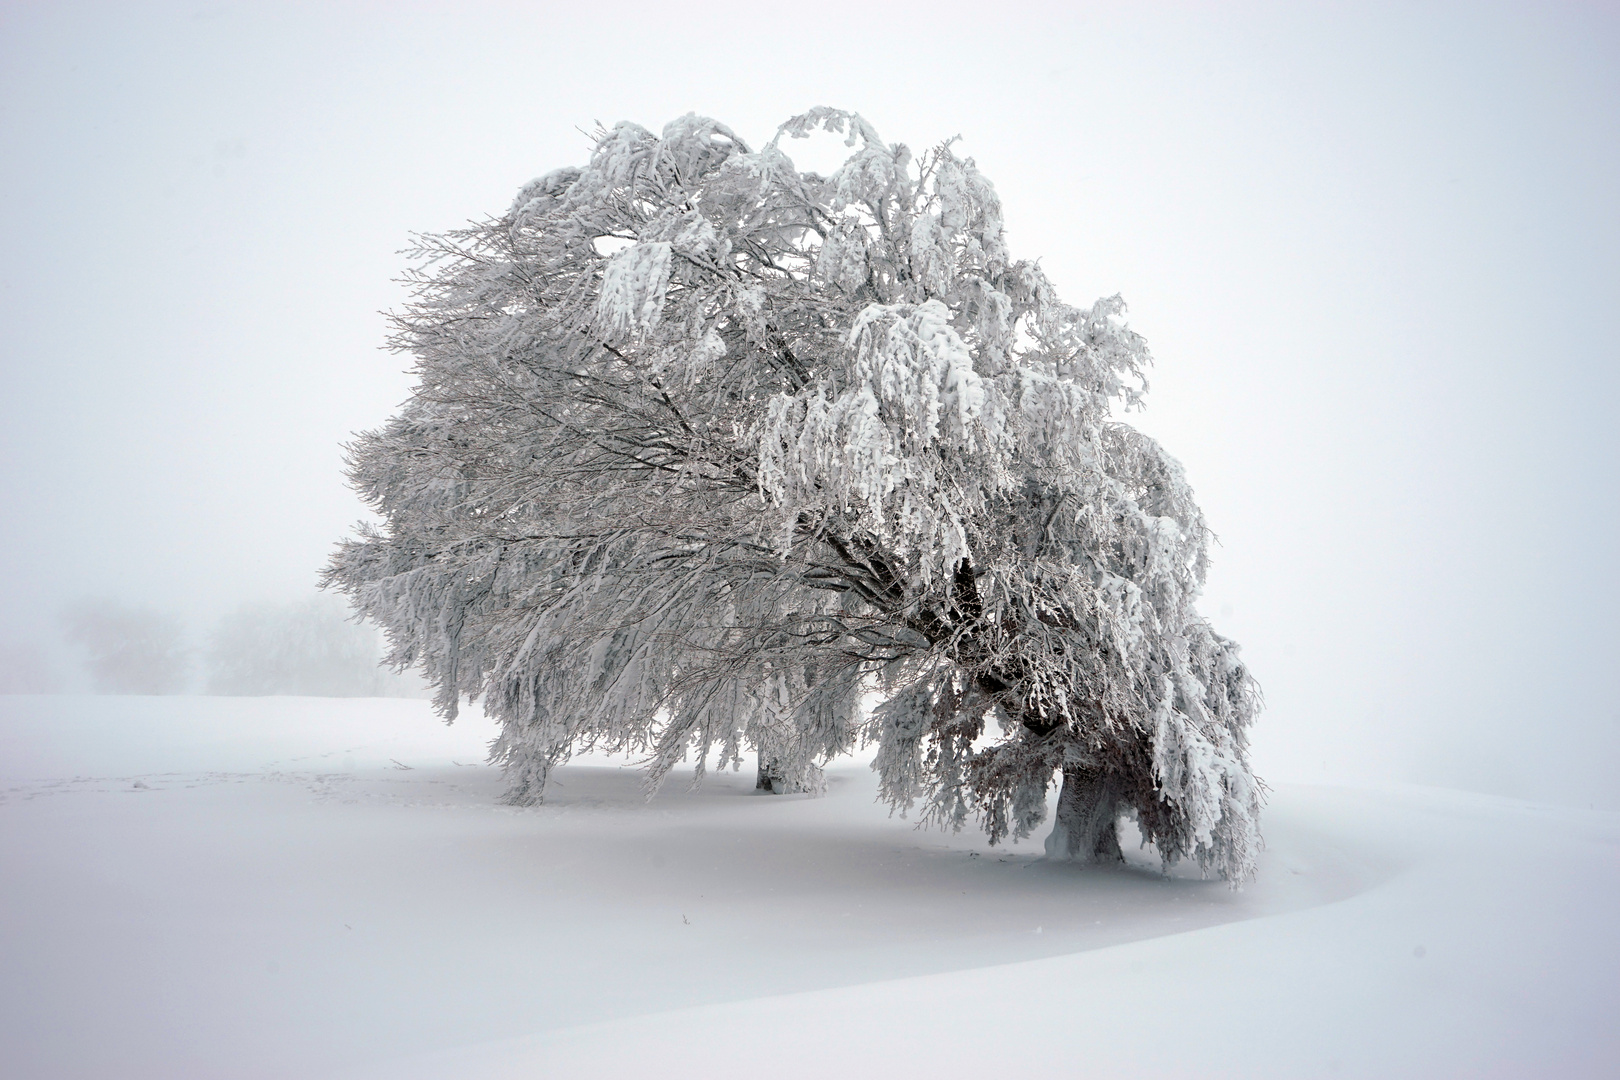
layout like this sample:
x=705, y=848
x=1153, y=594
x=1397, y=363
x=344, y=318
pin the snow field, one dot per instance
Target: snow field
x=305, y=887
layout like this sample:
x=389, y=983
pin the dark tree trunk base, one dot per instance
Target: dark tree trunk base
x=770, y=778
x=1087, y=826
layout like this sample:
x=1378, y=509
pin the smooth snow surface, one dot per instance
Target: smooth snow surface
x=297, y=887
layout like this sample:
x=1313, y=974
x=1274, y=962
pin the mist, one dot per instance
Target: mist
x=1373, y=250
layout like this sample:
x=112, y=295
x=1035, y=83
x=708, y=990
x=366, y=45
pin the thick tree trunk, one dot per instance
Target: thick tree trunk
x=1087, y=826
x=776, y=777
x=770, y=776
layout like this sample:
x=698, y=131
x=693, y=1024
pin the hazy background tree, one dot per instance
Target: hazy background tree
x=312, y=647
x=128, y=649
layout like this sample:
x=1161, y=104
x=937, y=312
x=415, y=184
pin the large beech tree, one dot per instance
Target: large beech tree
x=705, y=448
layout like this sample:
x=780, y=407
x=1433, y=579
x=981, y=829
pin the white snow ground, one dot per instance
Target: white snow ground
x=297, y=887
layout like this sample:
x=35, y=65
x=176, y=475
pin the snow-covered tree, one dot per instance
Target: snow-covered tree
x=704, y=446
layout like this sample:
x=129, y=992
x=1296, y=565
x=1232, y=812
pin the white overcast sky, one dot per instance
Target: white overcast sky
x=1374, y=250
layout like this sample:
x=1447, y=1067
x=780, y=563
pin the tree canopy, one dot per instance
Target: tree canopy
x=704, y=448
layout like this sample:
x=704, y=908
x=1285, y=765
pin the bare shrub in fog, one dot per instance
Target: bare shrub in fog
x=128, y=649
x=310, y=648
x=703, y=447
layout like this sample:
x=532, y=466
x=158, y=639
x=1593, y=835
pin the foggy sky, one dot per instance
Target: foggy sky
x=1374, y=252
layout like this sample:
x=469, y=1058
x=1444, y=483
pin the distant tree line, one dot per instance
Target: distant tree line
x=310, y=648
